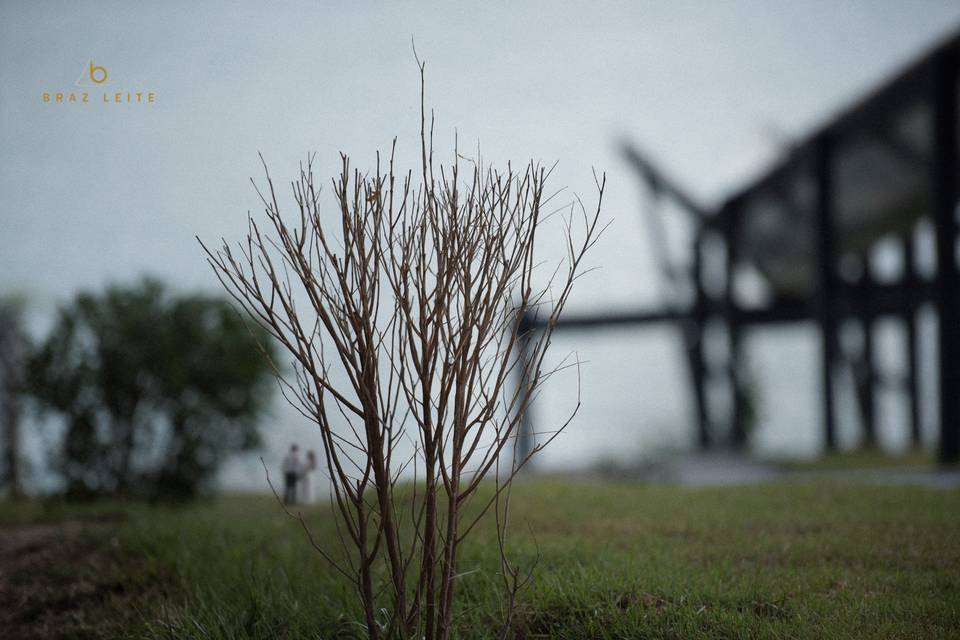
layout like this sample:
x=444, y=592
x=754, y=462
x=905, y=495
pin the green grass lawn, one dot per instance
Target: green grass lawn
x=799, y=560
x=866, y=459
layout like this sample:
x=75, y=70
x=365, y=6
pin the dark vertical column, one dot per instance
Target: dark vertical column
x=945, y=222
x=826, y=283
x=738, y=433
x=525, y=435
x=869, y=363
x=694, y=328
x=912, y=387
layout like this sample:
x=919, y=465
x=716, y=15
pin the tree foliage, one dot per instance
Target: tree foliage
x=14, y=347
x=155, y=389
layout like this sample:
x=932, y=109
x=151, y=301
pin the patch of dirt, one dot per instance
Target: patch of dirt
x=52, y=576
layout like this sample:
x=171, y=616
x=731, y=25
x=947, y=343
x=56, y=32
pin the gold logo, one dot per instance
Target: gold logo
x=96, y=75
x=94, y=70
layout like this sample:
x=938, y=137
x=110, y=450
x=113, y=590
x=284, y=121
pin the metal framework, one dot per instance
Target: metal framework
x=875, y=172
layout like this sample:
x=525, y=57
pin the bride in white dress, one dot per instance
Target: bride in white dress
x=306, y=478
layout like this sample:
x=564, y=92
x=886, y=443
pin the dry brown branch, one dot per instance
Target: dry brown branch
x=401, y=317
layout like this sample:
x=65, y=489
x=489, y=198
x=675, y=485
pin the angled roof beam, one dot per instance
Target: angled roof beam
x=659, y=182
x=867, y=112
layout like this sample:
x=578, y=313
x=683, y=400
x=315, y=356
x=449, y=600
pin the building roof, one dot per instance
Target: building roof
x=882, y=154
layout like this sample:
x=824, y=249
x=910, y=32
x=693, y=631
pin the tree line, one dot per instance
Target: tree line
x=139, y=391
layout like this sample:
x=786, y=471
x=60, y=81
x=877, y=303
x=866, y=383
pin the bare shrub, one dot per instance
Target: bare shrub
x=402, y=321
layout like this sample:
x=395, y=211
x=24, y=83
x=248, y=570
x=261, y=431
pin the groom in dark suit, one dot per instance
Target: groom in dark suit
x=291, y=473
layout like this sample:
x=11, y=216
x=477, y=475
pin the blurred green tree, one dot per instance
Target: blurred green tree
x=14, y=350
x=155, y=389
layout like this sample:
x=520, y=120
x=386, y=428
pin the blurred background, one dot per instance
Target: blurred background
x=791, y=154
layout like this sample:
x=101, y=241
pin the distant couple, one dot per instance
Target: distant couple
x=297, y=477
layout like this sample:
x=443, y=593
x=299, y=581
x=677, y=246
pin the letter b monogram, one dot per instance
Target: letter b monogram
x=97, y=74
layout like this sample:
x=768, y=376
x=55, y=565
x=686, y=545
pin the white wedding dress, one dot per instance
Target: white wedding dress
x=305, y=486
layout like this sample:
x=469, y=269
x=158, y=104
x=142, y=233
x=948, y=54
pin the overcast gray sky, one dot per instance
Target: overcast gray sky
x=101, y=192
x=91, y=193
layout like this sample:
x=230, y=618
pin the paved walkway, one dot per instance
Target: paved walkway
x=724, y=469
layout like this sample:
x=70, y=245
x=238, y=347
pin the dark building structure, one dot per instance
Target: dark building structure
x=878, y=172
